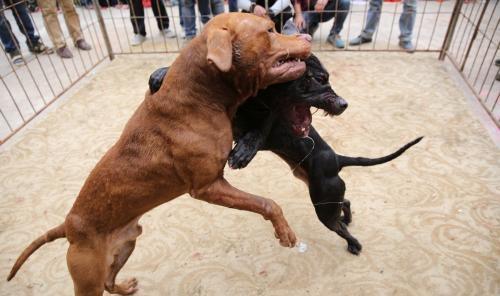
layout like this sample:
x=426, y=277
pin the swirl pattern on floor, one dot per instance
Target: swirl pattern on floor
x=429, y=221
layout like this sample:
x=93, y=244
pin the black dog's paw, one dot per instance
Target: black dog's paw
x=354, y=247
x=245, y=150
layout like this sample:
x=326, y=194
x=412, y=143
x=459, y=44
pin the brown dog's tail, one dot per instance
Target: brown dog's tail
x=54, y=233
x=363, y=161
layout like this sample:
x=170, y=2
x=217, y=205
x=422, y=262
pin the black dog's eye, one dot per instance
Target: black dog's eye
x=323, y=79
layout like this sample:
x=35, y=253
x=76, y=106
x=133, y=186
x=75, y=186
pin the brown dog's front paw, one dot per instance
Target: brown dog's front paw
x=286, y=237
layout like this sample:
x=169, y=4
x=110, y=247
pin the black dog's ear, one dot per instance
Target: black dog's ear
x=156, y=79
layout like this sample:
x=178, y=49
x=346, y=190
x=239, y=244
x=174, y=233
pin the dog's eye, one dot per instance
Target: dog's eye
x=271, y=30
x=322, y=79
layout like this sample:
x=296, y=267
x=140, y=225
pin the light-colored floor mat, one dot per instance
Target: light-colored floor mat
x=429, y=221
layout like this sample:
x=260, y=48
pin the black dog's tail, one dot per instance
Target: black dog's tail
x=345, y=161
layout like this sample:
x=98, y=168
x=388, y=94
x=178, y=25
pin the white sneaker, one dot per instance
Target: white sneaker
x=168, y=33
x=16, y=57
x=138, y=39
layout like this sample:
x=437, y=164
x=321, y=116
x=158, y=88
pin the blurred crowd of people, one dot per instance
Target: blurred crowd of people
x=302, y=16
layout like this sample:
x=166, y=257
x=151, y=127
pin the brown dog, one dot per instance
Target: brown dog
x=177, y=142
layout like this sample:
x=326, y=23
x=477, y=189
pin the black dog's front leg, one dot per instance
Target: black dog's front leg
x=251, y=141
x=245, y=150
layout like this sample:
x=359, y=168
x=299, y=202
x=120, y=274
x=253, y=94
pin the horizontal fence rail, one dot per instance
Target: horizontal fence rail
x=465, y=32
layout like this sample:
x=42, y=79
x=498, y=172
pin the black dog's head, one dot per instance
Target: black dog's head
x=313, y=89
x=292, y=99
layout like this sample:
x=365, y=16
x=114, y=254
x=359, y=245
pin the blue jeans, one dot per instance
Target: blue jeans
x=406, y=20
x=23, y=20
x=209, y=7
x=188, y=17
x=233, y=5
x=313, y=18
x=206, y=9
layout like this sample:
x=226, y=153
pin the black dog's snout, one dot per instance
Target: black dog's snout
x=343, y=104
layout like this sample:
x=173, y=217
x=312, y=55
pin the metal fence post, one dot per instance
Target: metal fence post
x=474, y=35
x=104, y=32
x=451, y=29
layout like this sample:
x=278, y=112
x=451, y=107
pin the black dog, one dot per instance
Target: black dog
x=278, y=119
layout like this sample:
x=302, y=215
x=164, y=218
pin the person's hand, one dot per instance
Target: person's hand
x=299, y=21
x=259, y=10
x=320, y=5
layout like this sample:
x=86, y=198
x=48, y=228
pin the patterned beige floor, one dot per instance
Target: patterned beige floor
x=429, y=221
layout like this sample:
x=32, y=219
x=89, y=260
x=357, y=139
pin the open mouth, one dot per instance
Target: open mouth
x=301, y=118
x=289, y=61
x=287, y=68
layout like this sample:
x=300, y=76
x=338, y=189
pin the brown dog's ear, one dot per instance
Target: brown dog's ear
x=220, y=49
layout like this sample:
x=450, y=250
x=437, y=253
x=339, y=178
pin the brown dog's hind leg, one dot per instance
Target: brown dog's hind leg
x=128, y=286
x=222, y=193
x=87, y=268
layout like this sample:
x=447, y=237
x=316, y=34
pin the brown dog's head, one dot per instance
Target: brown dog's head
x=247, y=48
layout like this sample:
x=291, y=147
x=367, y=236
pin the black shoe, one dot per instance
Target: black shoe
x=360, y=40
x=82, y=44
x=38, y=47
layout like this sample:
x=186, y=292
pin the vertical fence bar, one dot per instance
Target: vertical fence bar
x=474, y=35
x=102, y=26
x=451, y=29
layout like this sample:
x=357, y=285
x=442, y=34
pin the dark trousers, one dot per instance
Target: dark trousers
x=280, y=19
x=137, y=15
x=23, y=20
x=337, y=9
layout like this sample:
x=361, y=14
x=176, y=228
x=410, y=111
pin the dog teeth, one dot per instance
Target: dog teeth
x=283, y=61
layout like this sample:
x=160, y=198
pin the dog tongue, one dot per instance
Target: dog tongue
x=302, y=119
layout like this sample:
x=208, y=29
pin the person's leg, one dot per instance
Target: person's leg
x=179, y=6
x=25, y=24
x=160, y=14
x=233, y=5
x=9, y=41
x=49, y=12
x=311, y=21
x=137, y=17
x=337, y=9
x=23, y=20
x=204, y=9
x=73, y=23
x=372, y=19
x=342, y=9
x=72, y=20
x=189, y=18
x=217, y=6
x=280, y=19
x=406, y=24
